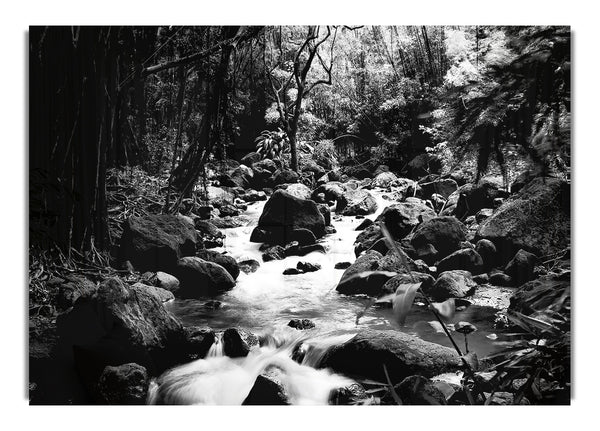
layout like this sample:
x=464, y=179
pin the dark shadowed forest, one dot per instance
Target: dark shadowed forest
x=274, y=215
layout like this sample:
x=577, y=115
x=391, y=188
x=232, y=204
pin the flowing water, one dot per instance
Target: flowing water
x=266, y=300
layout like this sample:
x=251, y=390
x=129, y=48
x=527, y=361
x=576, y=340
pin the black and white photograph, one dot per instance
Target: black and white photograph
x=366, y=217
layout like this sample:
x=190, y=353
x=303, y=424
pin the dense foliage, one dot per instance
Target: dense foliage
x=175, y=98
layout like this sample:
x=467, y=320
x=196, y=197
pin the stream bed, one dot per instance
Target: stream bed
x=266, y=300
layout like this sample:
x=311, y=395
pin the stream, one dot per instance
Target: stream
x=265, y=301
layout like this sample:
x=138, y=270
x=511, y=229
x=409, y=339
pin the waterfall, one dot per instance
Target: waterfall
x=221, y=380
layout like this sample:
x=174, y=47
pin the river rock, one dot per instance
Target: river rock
x=364, y=224
x=163, y=295
x=125, y=384
x=286, y=176
x=283, y=213
x=230, y=222
x=227, y=262
x=276, y=252
x=452, y=284
x=442, y=186
x=358, y=202
x=250, y=158
x=298, y=190
x=198, y=341
x=254, y=196
x=332, y=191
x=500, y=279
x=384, y=179
x=308, y=267
x=419, y=391
x=266, y=164
x=520, y=268
x=487, y=251
x=364, y=276
x=198, y=277
x=537, y=219
x=474, y=197
x=156, y=242
x=237, y=342
x=248, y=266
x=367, y=238
x=444, y=233
x=303, y=237
x=392, y=284
x=353, y=394
x=120, y=324
x=266, y=391
x=403, y=217
x=424, y=164
x=71, y=288
x=342, y=265
x=301, y=324
x=403, y=355
x=466, y=259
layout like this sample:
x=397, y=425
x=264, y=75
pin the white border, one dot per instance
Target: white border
x=17, y=17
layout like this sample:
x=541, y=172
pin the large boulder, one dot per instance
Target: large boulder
x=452, y=284
x=358, y=202
x=121, y=324
x=466, y=259
x=403, y=355
x=537, y=220
x=283, y=213
x=125, y=384
x=444, y=233
x=198, y=277
x=419, y=277
x=156, y=242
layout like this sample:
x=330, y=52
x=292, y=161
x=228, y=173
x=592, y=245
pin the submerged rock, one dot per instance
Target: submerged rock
x=248, y=266
x=301, y=324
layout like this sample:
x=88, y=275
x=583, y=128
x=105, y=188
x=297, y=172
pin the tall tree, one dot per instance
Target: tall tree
x=289, y=111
